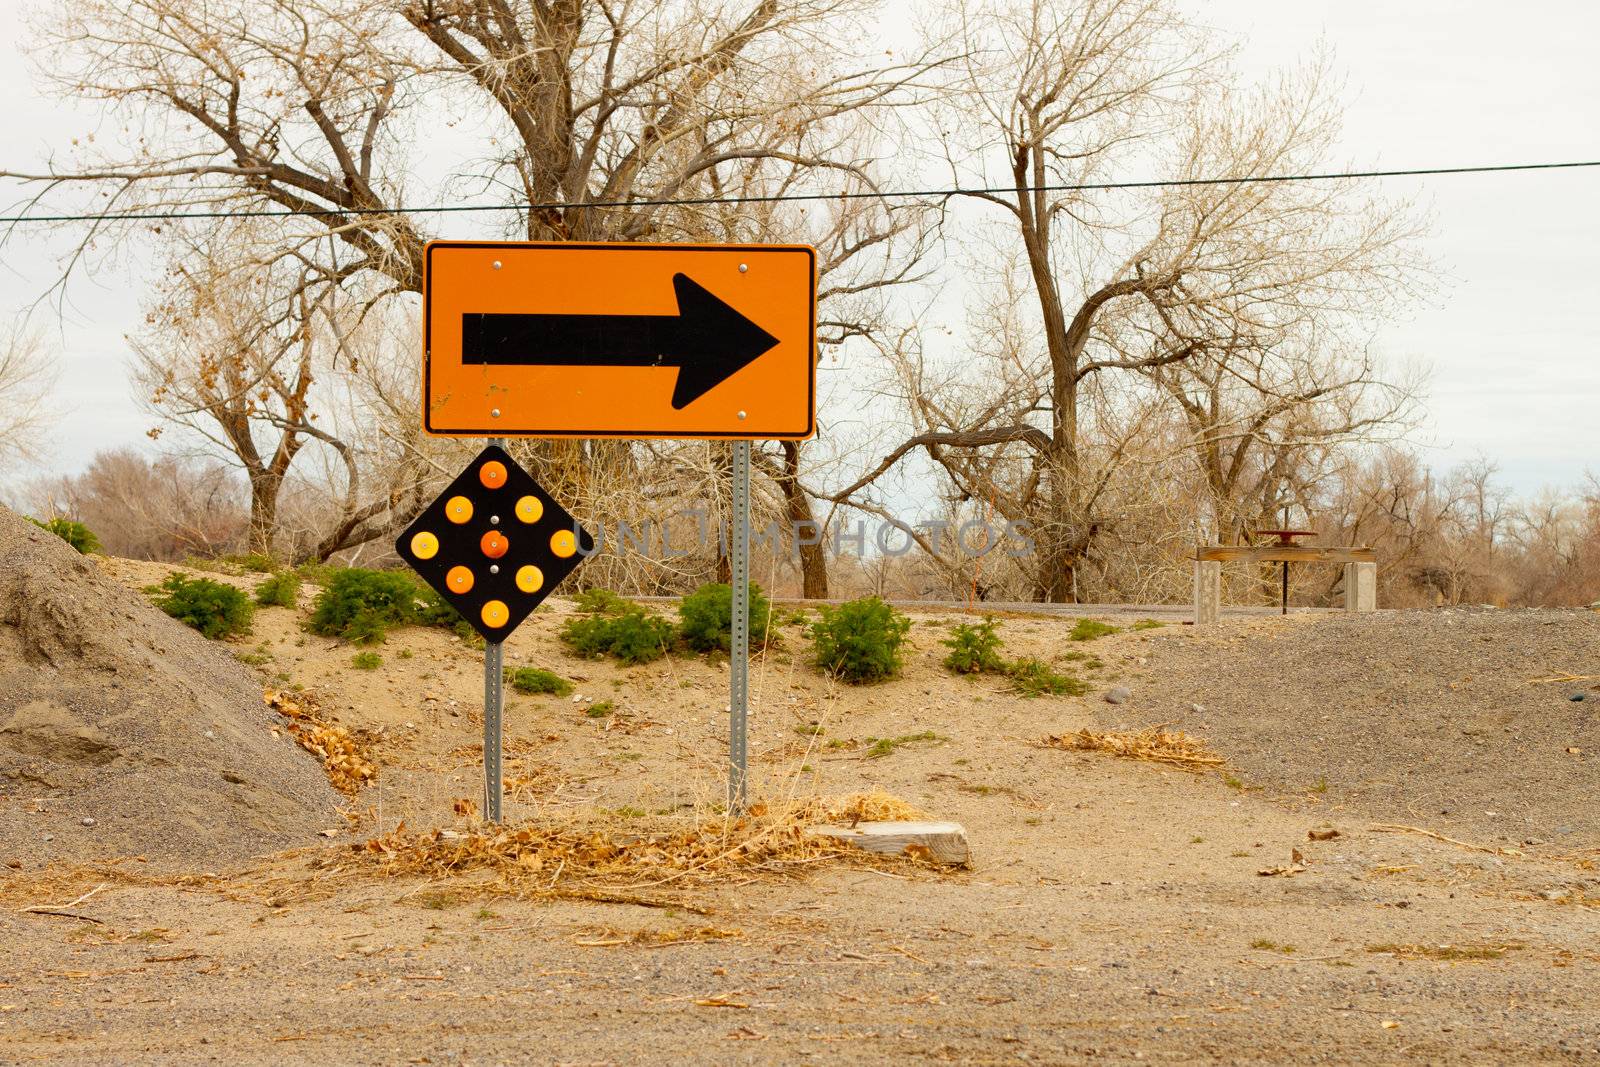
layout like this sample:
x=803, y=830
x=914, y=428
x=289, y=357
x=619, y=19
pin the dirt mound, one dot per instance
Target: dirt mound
x=1445, y=717
x=123, y=732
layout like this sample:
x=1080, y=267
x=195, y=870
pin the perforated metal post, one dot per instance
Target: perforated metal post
x=493, y=706
x=739, y=667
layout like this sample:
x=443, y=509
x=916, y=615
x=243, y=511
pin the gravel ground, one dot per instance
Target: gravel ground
x=1442, y=717
x=1116, y=911
x=124, y=732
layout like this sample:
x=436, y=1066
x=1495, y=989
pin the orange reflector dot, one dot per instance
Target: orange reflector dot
x=492, y=474
x=530, y=579
x=458, y=509
x=459, y=580
x=494, y=544
x=495, y=614
x=529, y=509
x=563, y=543
x=424, y=545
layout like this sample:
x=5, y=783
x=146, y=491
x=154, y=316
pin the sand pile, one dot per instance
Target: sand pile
x=123, y=732
x=1452, y=717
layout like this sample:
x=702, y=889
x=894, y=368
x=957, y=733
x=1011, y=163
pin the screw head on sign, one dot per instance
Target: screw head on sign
x=530, y=579
x=424, y=545
x=458, y=509
x=495, y=414
x=494, y=568
x=529, y=509
x=459, y=579
x=563, y=543
x=492, y=474
x=495, y=614
x=494, y=544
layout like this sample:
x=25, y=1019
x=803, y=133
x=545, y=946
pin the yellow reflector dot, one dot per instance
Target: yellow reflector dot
x=530, y=579
x=529, y=509
x=424, y=545
x=458, y=509
x=459, y=580
x=563, y=543
x=495, y=614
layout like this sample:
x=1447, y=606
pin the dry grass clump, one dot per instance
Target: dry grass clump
x=1444, y=952
x=609, y=936
x=771, y=839
x=345, y=760
x=1154, y=744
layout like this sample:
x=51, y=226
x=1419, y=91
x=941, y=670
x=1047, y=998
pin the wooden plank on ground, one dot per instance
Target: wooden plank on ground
x=941, y=842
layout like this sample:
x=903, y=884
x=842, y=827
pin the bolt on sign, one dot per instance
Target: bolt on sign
x=619, y=340
x=494, y=544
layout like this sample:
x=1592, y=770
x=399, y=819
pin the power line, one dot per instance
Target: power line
x=893, y=194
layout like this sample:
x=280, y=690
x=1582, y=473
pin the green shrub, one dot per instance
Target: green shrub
x=600, y=709
x=1148, y=624
x=75, y=534
x=640, y=638
x=432, y=609
x=259, y=562
x=361, y=605
x=317, y=573
x=366, y=661
x=1090, y=629
x=633, y=637
x=974, y=648
x=604, y=602
x=706, y=617
x=1033, y=678
x=216, y=610
x=859, y=641
x=537, y=680
x=279, y=590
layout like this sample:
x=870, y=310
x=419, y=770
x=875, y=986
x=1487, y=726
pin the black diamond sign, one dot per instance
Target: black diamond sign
x=494, y=544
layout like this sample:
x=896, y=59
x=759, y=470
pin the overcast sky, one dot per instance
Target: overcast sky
x=1513, y=336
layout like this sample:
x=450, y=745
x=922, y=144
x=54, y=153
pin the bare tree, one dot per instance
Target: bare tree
x=1114, y=286
x=27, y=374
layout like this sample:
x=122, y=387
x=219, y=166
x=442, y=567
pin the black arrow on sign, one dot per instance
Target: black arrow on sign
x=707, y=341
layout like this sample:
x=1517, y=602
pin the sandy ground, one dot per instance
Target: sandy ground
x=1114, y=911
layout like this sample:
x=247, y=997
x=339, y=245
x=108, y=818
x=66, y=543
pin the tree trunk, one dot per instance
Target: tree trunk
x=797, y=509
x=264, y=489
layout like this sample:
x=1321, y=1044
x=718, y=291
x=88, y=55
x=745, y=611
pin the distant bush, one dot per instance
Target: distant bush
x=604, y=602
x=279, y=590
x=1034, y=678
x=1090, y=629
x=216, y=610
x=706, y=617
x=634, y=637
x=1148, y=624
x=258, y=562
x=974, y=648
x=360, y=605
x=75, y=534
x=859, y=641
x=366, y=661
x=537, y=680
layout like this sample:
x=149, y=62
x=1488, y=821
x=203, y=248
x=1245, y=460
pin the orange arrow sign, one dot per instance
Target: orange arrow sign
x=619, y=340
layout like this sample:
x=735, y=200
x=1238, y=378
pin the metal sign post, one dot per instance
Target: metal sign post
x=739, y=667
x=494, y=703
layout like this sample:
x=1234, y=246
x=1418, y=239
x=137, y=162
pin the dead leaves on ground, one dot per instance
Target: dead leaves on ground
x=534, y=858
x=346, y=760
x=1154, y=744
